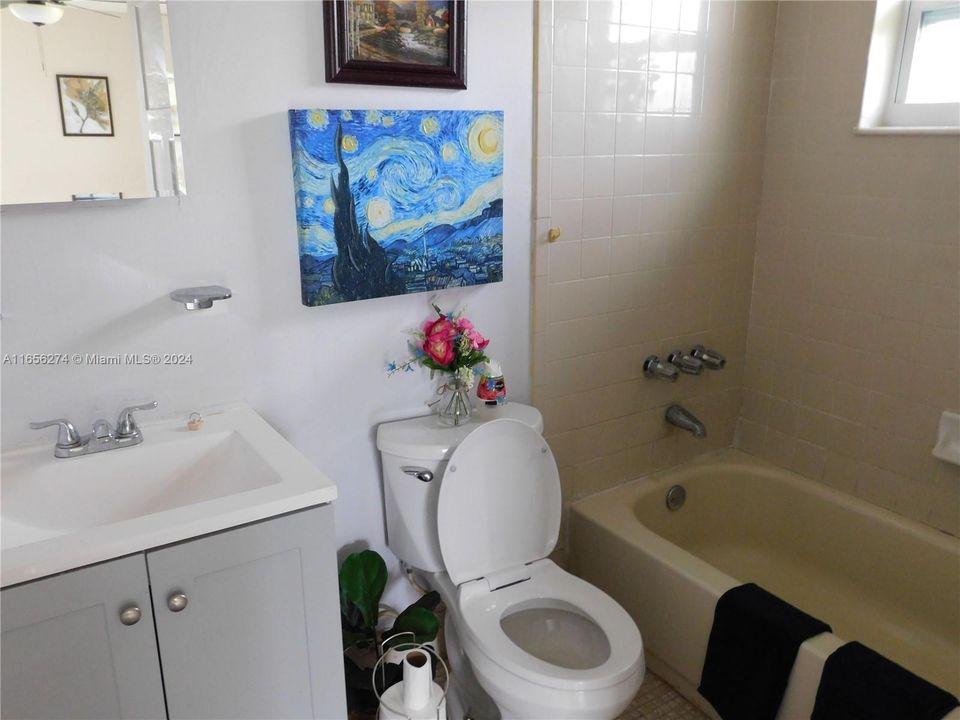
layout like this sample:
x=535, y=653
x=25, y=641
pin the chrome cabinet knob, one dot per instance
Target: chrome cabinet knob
x=177, y=601
x=130, y=615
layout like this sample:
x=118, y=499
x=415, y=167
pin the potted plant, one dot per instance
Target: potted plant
x=363, y=577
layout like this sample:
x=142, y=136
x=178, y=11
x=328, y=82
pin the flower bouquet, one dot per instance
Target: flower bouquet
x=449, y=344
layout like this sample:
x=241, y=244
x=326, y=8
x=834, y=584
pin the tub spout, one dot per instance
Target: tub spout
x=686, y=420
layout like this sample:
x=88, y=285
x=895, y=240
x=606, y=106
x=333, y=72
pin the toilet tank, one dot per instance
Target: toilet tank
x=417, y=446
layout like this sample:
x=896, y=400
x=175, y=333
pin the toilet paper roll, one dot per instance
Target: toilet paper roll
x=417, y=680
x=391, y=705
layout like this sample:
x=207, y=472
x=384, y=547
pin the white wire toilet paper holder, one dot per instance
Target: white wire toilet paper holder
x=404, y=648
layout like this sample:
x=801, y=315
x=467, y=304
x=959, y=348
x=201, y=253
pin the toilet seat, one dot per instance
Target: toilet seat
x=498, y=518
x=481, y=611
x=499, y=501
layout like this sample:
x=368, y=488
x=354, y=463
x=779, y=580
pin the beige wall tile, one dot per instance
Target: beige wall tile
x=857, y=268
x=825, y=265
x=595, y=257
x=843, y=473
x=779, y=448
x=809, y=460
x=941, y=307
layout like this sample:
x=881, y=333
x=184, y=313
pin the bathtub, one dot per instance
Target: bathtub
x=872, y=575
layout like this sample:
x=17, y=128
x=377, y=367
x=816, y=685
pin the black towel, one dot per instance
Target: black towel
x=860, y=684
x=752, y=646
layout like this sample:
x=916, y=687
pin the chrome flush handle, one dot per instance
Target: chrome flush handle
x=421, y=474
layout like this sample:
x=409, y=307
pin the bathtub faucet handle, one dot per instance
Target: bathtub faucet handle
x=685, y=363
x=654, y=367
x=711, y=359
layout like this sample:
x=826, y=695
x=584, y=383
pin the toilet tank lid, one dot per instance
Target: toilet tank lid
x=423, y=438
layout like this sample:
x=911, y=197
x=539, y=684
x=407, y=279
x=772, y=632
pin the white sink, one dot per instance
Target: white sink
x=58, y=514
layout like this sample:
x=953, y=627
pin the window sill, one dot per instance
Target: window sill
x=896, y=130
x=899, y=130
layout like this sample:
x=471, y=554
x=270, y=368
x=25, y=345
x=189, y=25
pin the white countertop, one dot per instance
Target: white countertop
x=60, y=514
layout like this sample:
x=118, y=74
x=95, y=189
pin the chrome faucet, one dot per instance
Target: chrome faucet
x=686, y=420
x=104, y=436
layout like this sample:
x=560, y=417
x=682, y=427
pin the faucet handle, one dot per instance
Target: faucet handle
x=710, y=358
x=686, y=363
x=126, y=424
x=655, y=367
x=68, y=437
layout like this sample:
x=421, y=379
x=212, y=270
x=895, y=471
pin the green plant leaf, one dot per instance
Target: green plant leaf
x=423, y=623
x=363, y=640
x=363, y=576
x=350, y=617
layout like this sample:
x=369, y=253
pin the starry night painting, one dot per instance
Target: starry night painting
x=396, y=201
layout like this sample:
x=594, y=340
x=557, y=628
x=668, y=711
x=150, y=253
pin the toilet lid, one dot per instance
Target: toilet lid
x=499, y=504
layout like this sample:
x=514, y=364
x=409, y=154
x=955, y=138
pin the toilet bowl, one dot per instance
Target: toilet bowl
x=541, y=643
x=552, y=647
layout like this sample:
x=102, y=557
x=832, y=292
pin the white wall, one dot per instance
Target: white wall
x=96, y=278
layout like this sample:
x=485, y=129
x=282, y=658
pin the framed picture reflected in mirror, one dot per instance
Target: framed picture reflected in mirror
x=419, y=43
x=85, y=105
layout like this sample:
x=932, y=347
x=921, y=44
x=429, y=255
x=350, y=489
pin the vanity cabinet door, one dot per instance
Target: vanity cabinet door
x=248, y=621
x=70, y=651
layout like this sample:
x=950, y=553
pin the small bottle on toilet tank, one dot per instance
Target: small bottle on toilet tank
x=492, y=388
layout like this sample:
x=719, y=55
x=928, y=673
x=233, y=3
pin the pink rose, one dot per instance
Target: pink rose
x=478, y=341
x=439, y=343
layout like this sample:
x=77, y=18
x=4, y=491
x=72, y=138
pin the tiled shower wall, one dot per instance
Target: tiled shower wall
x=651, y=121
x=852, y=351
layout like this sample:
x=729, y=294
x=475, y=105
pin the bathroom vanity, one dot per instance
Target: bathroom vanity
x=199, y=587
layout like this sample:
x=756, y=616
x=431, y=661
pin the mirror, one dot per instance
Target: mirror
x=89, y=109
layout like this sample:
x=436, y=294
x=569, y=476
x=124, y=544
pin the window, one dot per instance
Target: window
x=913, y=72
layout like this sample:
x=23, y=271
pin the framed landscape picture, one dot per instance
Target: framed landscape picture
x=85, y=105
x=420, y=43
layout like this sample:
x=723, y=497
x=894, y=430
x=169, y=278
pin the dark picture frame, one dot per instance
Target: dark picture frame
x=342, y=68
x=92, y=106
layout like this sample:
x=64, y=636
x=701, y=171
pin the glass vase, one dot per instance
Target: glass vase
x=453, y=406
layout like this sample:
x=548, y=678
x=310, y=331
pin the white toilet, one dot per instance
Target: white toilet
x=476, y=509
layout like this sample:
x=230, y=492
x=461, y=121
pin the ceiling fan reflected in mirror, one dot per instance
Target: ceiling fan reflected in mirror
x=47, y=12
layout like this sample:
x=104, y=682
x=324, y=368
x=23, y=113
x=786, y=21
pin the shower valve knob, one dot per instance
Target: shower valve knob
x=686, y=363
x=654, y=367
x=711, y=359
